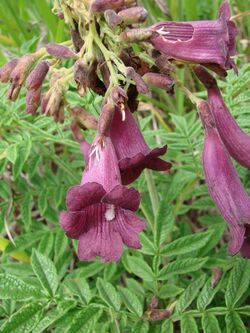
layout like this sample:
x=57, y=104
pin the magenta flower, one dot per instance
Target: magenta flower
x=211, y=43
x=224, y=183
x=236, y=141
x=133, y=153
x=101, y=210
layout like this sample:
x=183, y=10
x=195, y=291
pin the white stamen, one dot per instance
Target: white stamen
x=110, y=213
x=161, y=31
x=123, y=112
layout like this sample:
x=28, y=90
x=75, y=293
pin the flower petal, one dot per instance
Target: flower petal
x=81, y=196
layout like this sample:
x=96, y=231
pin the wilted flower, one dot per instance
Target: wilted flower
x=205, y=42
x=19, y=75
x=141, y=85
x=7, y=69
x=60, y=51
x=223, y=182
x=133, y=153
x=83, y=118
x=86, y=77
x=236, y=141
x=100, y=212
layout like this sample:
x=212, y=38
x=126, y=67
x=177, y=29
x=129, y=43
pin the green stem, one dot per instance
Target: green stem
x=152, y=190
x=106, y=54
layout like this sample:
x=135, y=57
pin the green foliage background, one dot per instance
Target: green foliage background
x=43, y=287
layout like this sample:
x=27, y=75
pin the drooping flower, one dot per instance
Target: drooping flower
x=133, y=153
x=224, y=183
x=101, y=210
x=236, y=141
x=211, y=43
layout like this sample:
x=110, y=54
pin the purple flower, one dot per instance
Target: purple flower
x=206, y=42
x=236, y=141
x=223, y=182
x=133, y=153
x=101, y=210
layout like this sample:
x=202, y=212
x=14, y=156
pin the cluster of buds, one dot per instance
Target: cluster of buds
x=100, y=57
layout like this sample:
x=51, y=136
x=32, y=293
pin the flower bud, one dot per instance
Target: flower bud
x=106, y=118
x=98, y=6
x=223, y=181
x=85, y=146
x=160, y=80
x=6, y=70
x=37, y=76
x=236, y=141
x=140, y=83
x=33, y=98
x=19, y=75
x=137, y=35
x=133, y=15
x=83, y=118
x=60, y=51
x=112, y=18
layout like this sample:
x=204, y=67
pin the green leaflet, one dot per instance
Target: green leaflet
x=45, y=271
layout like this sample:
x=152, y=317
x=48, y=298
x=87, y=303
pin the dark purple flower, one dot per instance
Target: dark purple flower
x=223, y=182
x=205, y=42
x=236, y=141
x=133, y=153
x=100, y=210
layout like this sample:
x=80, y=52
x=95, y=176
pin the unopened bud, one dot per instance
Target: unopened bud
x=19, y=75
x=98, y=6
x=60, y=51
x=159, y=80
x=106, y=117
x=83, y=118
x=133, y=15
x=85, y=146
x=137, y=35
x=37, y=76
x=140, y=83
x=112, y=18
x=6, y=70
x=33, y=98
